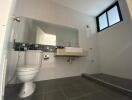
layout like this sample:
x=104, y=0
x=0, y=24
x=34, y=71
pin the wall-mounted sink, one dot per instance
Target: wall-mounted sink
x=71, y=51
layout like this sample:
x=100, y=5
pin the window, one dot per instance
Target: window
x=109, y=17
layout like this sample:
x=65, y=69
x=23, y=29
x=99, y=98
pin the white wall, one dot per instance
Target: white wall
x=55, y=67
x=129, y=3
x=59, y=67
x=6, y=9
x=50, y=12
x=115, y=46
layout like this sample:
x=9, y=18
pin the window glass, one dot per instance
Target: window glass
x=103, y=21
x=113, y=16
x=109, y=17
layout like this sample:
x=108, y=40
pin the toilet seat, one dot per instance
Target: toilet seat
x=27, y=68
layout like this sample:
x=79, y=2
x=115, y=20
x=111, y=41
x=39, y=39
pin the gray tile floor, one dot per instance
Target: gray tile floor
x=121, y=82
x=73, y=88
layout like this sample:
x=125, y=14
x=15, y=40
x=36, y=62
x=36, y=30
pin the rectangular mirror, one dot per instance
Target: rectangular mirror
x=39, y=32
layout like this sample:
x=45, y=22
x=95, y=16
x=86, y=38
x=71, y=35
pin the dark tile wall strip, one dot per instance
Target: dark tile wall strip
x=27, y=46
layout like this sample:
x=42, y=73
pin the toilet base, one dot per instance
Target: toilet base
x=27, y=89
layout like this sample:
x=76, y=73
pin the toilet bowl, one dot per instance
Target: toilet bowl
x=26, y=74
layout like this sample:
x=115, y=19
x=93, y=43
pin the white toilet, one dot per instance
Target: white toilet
x=26, y=73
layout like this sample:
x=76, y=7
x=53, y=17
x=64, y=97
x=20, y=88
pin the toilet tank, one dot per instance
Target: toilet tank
x=33, y=57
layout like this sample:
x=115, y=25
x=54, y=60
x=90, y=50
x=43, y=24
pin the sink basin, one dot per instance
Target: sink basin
x=73, y=49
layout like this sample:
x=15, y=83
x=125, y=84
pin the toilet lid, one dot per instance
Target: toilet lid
x=28, y=68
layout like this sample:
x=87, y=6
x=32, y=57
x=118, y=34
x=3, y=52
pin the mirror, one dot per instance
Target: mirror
x=38, y=32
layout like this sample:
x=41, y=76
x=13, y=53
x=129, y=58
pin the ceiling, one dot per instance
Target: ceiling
x=90, y=7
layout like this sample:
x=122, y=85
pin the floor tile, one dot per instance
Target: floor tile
x=35, y=97
x=57, y=95
x=73, y=91
x=116, y=95
x=72, y=88
x=95, y=96
x=47, y=86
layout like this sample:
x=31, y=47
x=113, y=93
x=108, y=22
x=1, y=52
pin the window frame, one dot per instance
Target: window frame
x=106, y=11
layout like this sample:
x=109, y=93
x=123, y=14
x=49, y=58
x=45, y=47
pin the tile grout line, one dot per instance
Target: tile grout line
x=64, y=94
x=83, y=95
x=46, y=92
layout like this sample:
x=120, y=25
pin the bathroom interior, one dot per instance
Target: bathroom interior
x=69, y=50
